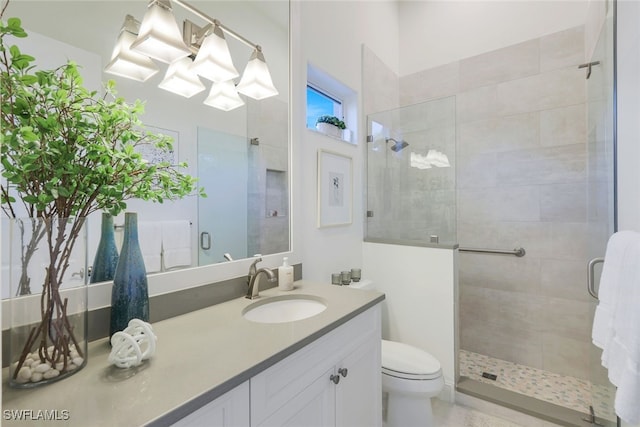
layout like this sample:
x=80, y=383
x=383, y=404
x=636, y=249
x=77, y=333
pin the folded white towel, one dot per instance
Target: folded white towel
x=176, y=244
x=616, y=327
x=150, y=238
x=609, y=285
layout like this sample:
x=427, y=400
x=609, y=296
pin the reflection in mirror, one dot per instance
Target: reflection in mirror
x=257, y=219
x=250, y=176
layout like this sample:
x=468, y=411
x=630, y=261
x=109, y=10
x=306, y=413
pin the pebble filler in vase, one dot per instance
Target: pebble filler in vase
x=130, y=294
x=106, y=259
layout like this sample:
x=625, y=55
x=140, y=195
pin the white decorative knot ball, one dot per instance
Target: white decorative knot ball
x=133, y=345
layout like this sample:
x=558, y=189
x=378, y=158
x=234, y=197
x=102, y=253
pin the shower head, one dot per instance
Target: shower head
x=397, y=145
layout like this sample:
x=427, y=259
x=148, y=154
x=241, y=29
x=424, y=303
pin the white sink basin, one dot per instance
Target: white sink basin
x=285, y=308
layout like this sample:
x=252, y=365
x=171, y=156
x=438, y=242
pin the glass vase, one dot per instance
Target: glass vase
x=48, y=299
x=106, y=259
x=130, y=294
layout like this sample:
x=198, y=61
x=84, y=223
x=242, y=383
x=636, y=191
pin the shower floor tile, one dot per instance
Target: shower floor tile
x=569, y=392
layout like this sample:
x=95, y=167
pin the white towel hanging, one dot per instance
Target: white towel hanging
x=616, y=325
x=176, y=244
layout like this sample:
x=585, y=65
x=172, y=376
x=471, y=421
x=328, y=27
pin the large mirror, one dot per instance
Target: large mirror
x=241, y=157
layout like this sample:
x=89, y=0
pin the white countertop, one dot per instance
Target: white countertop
x=199, y=356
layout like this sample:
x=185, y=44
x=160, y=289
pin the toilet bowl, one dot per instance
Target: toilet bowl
x=410, y=377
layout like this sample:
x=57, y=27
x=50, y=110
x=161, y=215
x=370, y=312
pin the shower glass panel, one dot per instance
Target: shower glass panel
x=600, y=190
x=411, y=173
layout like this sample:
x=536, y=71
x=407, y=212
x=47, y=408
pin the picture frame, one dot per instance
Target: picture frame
x=155, y=156
x=335, y=189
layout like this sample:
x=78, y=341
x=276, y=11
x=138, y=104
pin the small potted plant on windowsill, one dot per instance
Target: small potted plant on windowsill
x=330, y=125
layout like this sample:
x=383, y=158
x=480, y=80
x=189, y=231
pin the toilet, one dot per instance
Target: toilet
x=410, y=377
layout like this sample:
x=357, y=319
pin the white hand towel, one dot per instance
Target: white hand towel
x=150, y=238
x=176, y=244
x=616, y=326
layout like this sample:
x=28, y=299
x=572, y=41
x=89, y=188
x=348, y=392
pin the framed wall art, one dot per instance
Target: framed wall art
x=335, y=189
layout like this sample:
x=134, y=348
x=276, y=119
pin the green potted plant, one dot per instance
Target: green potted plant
x=66, y=152
x=330, y=125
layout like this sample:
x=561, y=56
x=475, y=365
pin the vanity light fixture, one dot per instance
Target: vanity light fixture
x=213, y=61
x=180, y=79
x=256, y=80
x=224, y=96
x=125, y=62
x=159, y=38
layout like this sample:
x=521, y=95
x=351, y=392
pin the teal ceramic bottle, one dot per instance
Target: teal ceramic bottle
x=130, y=294
x=106, y=259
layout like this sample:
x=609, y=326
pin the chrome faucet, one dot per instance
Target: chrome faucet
x=254, y=273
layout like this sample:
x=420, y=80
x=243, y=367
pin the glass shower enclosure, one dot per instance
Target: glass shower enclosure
x=411, y=170
x=541, y=178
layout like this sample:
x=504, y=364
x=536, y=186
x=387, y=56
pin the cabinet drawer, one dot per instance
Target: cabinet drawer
x=279, y=384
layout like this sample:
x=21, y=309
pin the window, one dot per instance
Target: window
x=327, y=96
x=319, y=104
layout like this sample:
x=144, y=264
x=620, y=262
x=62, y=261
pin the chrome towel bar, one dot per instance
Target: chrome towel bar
x=519, y=252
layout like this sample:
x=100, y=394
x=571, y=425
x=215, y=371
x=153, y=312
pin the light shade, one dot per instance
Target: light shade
x=256, y=80
x=159, y=36
x=213, y=61
x=181, y=80
x=125, y=62
x=224, y=96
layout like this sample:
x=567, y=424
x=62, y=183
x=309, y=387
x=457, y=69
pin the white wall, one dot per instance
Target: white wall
x=419, y=308
x=628, y=61
x=439, y=32
x=628, y=113
x=331, y=38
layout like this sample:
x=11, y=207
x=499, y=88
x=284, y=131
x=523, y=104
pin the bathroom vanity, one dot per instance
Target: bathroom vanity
x=215, y=365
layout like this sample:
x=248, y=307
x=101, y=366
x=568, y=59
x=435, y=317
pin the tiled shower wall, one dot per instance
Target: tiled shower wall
x=521, y=180
x=268, y=204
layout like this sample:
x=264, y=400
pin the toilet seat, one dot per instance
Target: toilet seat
x=404, y=361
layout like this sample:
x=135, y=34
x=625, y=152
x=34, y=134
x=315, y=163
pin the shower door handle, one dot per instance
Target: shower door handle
x=205, y=240
x=591, y=282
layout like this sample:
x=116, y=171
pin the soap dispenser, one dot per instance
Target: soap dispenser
x=285, y=275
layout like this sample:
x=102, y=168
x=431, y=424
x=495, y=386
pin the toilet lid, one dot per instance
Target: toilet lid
x=405, y=361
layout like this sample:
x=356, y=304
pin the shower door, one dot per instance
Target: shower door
x=601, y=191
x=223, y=172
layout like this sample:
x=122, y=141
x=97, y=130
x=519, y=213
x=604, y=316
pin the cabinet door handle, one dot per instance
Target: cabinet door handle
x=335, y=378
x=343, y=371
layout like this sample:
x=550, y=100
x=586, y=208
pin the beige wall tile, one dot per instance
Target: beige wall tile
x=566, y=356
x=515, y=274
x=534, y=237
x=381, y=90
x=429, y=84
x=499, y=134
x=476, y=171
x=500, y=65
x=564, y=279
x=553, y=89
x=566, y=318
x=562, y=49
x=570, y=241
x=477, y=104
x=563, y=202
x=502, y=342
x=562, y=126
x=543, y=165
x=499, y=204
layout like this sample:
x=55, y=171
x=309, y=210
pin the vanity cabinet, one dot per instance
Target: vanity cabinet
x=229, y=410
x=333, y=381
